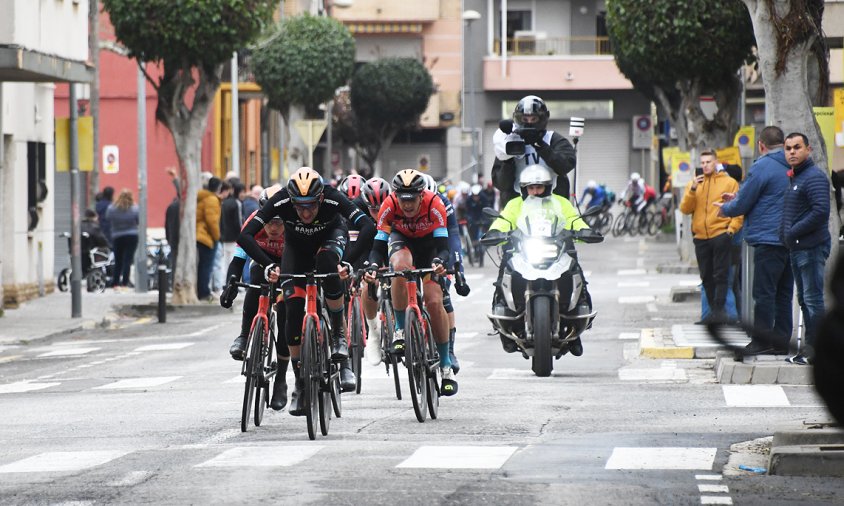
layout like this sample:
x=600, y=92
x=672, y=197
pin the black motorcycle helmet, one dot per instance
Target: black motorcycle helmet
x=531, y=105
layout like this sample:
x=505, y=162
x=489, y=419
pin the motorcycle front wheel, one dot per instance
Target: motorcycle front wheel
x=541, y=314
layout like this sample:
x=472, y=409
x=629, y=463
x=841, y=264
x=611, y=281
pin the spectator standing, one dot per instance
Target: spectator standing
x=123, y=217
x=172, y=219
x=713, y=234
x=231, y=219
x=218, y=276
x=805, y=232
x=104, y=200
x=207, y=236
x=250, y=200
x=759, y=200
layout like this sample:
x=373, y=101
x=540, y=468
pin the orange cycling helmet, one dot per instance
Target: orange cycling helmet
x=305, y=186
x=408, y=183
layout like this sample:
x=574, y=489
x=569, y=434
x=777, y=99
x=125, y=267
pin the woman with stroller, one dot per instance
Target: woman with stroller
x=123, y=216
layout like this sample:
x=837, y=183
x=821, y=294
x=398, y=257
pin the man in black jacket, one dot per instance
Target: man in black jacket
x=231, y=219
x=541, y=146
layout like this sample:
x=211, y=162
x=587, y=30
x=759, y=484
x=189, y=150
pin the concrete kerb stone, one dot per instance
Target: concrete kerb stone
x=764, y=375
x=683, y=293
x=789, y=374
x=807, y=460
x=760, y=372
x=742, y=374
x=809, y=437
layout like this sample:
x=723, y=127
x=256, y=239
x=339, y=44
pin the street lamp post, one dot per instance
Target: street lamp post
x=468, y=17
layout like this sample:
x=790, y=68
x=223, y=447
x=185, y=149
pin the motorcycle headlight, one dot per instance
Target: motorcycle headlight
x=538, y=251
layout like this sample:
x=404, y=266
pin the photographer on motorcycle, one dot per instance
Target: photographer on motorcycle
x=536, y=180
x=524, y=141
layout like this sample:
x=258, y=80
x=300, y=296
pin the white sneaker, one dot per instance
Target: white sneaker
x=372, y=351
x=398, y=342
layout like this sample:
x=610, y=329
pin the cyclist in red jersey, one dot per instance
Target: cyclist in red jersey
x=412, y=221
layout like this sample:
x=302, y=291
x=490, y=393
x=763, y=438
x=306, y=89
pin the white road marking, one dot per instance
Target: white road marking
x=640, y=262
x=459, y=457
x=465, y=335
x=714, y=489
x=629, y=335
x=634, y=284
x=137, y=383
x=24, y=386
x=651, y=307
x=755, y=396
x=661, y=458
x=517, y=374
x=262, y=456
x=652, y=374
x=68, y=352
x=715, y=499
x=689, y=282
x=474, y=275
x=636, y=299
x=711, y=477
x=631, y=272
x=164, y=347
x=61, y=461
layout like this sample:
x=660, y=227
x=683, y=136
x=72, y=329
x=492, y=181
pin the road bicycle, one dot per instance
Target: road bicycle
x=420, y=351
x=387, y=321
x=321, y=375
x=259, y=365
x=356, y=334
x=470, y=250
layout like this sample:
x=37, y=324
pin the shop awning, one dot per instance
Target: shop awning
x=19, y=64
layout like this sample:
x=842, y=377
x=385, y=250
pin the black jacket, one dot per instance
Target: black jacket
x=805, y=215
x=231, y=219
x=558, y=155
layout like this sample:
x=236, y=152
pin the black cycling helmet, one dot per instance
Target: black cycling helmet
x=376, y=191
x=351, y=186
x=531, y=105
x=305, y=186
x=408, y=183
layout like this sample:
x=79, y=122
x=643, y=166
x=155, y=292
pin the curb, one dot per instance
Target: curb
x=656, y=343
x=139, y=310
x=760, y=372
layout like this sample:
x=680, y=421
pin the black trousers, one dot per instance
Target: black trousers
x=713, y=259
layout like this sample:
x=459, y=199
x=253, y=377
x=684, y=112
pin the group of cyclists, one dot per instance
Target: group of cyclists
x=308, y=226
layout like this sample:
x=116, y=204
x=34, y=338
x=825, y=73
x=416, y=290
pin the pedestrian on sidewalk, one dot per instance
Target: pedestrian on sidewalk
x=103, y=201
x=123, y=216
x=713, y=234
x=759, y=199
x=805, y=232
x=207, y=235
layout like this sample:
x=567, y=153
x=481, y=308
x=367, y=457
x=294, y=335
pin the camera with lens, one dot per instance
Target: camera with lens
x=517, y=137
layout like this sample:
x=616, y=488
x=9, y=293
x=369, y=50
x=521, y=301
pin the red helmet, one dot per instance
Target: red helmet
x=352, y=186
x=375, y=191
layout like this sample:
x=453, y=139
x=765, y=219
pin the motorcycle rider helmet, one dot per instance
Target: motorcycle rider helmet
x=591, y=184
x=408, y=184
x=430, y=183
x=533, y=175
x=351, y=185
x=535, y=109
x=267, y=194
x=305, y=186
x=375, y=191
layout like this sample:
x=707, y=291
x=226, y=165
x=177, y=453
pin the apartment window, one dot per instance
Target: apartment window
x=518, y=21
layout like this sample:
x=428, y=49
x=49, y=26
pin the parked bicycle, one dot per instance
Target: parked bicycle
x=259, y=365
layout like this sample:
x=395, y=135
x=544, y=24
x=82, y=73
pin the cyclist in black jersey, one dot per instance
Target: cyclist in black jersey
x=316, y=237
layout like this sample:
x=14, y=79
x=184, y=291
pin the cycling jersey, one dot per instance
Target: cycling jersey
x=273, y=248
x=429, y=223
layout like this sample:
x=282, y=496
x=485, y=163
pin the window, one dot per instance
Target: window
x=36, y=184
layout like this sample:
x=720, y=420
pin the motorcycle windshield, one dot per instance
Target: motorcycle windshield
x=541, y=217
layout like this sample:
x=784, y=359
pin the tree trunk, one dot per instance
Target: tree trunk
x=788, y=96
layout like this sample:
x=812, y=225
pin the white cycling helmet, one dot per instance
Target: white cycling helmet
x=533, y=175
x=476, y=189
x=430, y=183
x=591, y=184
x=635, y=176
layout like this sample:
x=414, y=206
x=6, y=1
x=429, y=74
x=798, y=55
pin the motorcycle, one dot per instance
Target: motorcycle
x=537, y=307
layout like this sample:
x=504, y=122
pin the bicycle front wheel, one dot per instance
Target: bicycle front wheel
x=265, y=373
x=433, y=372
x=311, y=374
x=356, y=324
x=417, y=365
x=329, y=375
x=249, y=365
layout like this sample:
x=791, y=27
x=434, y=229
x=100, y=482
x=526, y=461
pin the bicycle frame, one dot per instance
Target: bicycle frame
x=355, y=291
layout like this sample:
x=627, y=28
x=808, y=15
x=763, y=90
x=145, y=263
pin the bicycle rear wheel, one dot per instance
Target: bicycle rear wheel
x=265, y=373
x=311, y=374
x=468, y=249
x=356, y=324
x=255, y=335
x=433, y=372
x=417, y=366
x=618, y=226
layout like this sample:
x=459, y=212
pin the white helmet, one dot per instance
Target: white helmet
x=635, y=176
x=533, y=175
x=476, y=189
x=464, y=187
x=591, y=184
x=430, y=183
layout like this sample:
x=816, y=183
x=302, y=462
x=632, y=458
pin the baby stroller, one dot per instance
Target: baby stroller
x=97, y=266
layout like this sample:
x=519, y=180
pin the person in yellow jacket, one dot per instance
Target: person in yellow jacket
x=537, y=181
x=207, y=235
x=713, y=234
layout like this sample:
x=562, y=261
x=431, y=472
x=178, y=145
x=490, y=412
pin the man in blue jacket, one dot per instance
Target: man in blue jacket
x=760, y=201
x=805, y=232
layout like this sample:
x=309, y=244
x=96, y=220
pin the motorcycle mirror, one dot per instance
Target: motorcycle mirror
x=493, y=238
x=492, y=213
x=592, y=211
x=590, y=236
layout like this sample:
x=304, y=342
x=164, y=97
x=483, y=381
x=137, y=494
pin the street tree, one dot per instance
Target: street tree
x=188, y=43
x=387, y=96
x=303, y=60
x=674, y=56
x=794, y=64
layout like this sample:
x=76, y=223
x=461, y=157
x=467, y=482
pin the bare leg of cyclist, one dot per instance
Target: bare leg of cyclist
x=373, y=338
x=433, y=295
x=400, y=260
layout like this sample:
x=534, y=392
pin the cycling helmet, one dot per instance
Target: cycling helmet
x=351, y=185
x=533, y=175
x=408, y=183
x=430, y=184
x=531, y=105
x=267, y=193
x=476, y=189
x=635, y=176
x=464, y=187
x=591, y=184
x=305, y=186
x=375, y=191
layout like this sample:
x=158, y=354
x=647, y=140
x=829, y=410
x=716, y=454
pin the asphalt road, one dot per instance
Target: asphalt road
x=149, y=413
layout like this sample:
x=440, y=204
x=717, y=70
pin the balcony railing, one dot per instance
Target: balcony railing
x=550, y=46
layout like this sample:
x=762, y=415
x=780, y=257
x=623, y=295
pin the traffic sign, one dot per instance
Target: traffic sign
x=310, y=130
